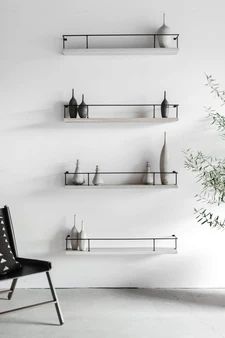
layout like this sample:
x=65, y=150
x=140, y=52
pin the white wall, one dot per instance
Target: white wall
x=37, y=147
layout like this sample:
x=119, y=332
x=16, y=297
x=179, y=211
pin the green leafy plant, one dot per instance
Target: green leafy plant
x=209, y=171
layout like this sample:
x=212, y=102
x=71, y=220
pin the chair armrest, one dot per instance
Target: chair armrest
x=37, y=262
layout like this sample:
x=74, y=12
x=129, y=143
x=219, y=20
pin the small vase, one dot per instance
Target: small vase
x=74, y=236
x=165, y=41
x=73, y=106
x=82, y=242
x=147, y=178
x=165, y=107
x=98, y=179
x=164, y=163
x=78, y=178
x=83, y=109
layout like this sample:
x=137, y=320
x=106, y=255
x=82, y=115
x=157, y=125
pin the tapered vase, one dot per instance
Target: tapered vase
x=83, y=109
x=165, y=107
x=78, y=178
x=82, y=239
x=164, y=168
x=98, y=179
x=73, y=106
x=74, y=236
x=165, y=41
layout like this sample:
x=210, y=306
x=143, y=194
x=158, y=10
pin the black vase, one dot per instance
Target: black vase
x=165, y=107
x=73, y=106
x=83, y=109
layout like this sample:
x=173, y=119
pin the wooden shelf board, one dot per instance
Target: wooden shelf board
x=121, y=186
x=121, y=120
x=126, y=251
x=120, y=51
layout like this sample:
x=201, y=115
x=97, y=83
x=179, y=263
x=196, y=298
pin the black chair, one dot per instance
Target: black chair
x=28, y=267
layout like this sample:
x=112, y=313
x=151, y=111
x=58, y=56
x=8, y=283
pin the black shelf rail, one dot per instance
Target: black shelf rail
x=88, y=175
x=153, y=240
x=87, y=37
x=152, y=105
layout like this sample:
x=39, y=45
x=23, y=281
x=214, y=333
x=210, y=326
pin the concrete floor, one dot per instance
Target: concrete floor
x=118, y=313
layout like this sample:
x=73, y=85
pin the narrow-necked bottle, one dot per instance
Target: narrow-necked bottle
x=73, y=106
x=83, y=109
x=165, y=107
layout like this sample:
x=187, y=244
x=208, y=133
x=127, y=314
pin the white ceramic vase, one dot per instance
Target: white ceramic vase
x=78, y=178
x=164, y=163
x=98, y=179
x=74, y=235
x=147, y=178
x=82, y=243
x=165, y=41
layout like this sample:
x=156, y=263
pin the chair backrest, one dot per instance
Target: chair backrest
x=5, y=216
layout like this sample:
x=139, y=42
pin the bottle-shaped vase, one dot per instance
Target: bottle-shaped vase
x=165, y=107
x=147, y=178
x=98, y=179
x=74, y=236
x=83, y=109
x=73, y=106
x=78, y=178
x=165, y=40
x=164, y=168
x=82, y=238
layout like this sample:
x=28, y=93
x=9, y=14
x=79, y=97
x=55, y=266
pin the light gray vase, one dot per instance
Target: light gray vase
x=164, y=163
x=78, y=178
x=83, y=109
x=82, y=243
x=147, y=178
x=165, y=41
x=74, y=234
x=98, y=179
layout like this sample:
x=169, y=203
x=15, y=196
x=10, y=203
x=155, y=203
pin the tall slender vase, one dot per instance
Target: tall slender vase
x=165, y=107
x=83, y=109
x=78, y=178
x=74, y=236
x=73, y=106
x=82, y=236
x=165, y=41
x=147, y=178
x=98, y=179
x=164, y=163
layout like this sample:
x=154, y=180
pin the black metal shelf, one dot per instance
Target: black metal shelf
x=153, y=241
x=153, y=115
x=89, y=175
x=87, y=37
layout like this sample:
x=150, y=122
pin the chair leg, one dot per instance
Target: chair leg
x=12, y=288
x=54, y=296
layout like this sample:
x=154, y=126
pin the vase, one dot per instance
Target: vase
x=74, y=236
x=98, y=179
x=165, y=41
x=164, y=163
x=165, y=107
x=73, y=106
x=82, y=242
x=78, y=178
x=83, y=109
x=147, y=178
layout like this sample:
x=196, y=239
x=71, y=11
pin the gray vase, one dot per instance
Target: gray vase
x=73, y=106
x=83, y=109
x=74, y=236
x=165, y=107
x=164, y=163
x=147, y=178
